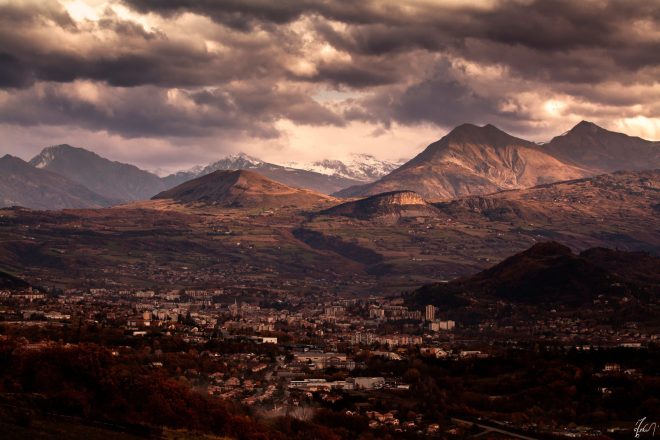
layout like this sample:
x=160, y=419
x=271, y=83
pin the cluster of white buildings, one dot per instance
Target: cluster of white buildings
x=351, y=383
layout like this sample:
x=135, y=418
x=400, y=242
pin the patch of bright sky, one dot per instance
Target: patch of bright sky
x=93, y=10
x=647, y=128
x=307, y=144
x=335, y=96
x=84, y=10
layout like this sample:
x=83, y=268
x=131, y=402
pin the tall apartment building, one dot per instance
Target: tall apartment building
x=430, y=313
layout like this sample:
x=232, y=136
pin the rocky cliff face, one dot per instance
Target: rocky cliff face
x=390, y=206
x=400, y=198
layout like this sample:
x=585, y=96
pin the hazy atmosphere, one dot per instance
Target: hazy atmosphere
x=175, y=83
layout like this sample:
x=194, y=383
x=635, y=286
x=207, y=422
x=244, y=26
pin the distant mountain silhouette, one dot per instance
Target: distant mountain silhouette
x=470, y=160
x=589, y=146
x=241, y=188
x=21, y=184
x=114, y=180
x=551, y=274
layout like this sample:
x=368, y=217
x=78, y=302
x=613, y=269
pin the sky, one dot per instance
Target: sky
x=170, y=84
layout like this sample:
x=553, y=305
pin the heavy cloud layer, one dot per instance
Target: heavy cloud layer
x=243, y=69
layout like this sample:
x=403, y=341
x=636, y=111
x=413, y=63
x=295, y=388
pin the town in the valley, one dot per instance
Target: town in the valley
x=290, y=354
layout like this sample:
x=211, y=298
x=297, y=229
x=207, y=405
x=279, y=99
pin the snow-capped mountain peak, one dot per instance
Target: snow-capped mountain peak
x=362, y=167
x=243, y=157
x=239, y=161
x=359, y=168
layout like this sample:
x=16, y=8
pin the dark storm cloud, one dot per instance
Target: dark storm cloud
x=246, y=14
x=356, y=74
x=556, y=43
x=440, y=99
x=520, y=34
x=14, y=73
x=133, y=57
x=544, y=39
x=267, y=103
x=546, y=25
x=152, y=111
x=242, y=65
x=379, y=38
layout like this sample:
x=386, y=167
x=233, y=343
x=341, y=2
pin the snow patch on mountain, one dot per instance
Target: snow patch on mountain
x=239, y=161
x=361, y=167
x=44, y=158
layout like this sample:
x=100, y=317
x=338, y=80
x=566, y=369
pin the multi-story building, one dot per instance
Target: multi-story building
x=430, y=312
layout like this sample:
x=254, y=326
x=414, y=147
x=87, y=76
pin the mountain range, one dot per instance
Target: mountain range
x=468, y=161
x=480, y=160
x=74, y=177
x=295, y=177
